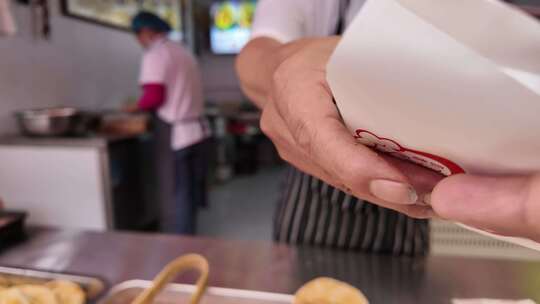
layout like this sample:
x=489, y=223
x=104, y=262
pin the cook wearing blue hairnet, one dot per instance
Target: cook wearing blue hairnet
x=147, y=26
x=172, y=92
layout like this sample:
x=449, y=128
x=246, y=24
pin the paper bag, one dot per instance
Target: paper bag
x=450, y=85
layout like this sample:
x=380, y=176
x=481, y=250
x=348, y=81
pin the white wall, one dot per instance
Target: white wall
x=219, y=78
x=82, y=64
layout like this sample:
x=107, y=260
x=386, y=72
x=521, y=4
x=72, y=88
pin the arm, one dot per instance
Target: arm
x=288, y=82
x=152, y=98
x=278, y=29
x=153, y=77
x=267, y=54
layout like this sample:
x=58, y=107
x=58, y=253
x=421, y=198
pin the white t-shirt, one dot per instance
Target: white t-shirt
x=168, y=63
x=287, y=20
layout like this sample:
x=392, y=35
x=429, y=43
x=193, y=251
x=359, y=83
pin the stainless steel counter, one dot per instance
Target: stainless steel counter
x=277, y=268
x=98, y=141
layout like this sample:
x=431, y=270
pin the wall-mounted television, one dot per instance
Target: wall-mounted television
x=231, y=25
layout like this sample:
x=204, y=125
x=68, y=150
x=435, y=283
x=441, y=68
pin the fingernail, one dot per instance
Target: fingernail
x=393, y=192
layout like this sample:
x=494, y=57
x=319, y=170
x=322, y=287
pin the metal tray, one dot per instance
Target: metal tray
x=93, y=287
x=125, y=292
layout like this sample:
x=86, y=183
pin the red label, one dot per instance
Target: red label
x=430, y=161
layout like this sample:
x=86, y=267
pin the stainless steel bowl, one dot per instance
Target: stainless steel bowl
x=48, y=122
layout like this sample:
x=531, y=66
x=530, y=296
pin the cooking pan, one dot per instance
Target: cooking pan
x=57, y=121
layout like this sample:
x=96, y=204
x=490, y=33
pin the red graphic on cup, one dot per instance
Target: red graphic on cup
x=430, y=161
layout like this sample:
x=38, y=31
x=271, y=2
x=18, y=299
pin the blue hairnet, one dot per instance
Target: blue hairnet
x=149, y=21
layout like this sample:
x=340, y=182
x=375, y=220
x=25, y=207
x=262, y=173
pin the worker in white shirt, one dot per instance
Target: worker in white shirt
x=171, y=85
x=282, y=69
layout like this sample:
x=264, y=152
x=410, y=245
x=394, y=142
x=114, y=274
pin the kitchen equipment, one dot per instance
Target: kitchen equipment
x=57, y=121
x=11, y=228
x=120, y=123
x=47, y=122
x=92, y=286
x=180, y=293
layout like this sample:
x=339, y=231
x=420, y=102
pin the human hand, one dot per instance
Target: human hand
x=130, y=108
x=304, y=124
x=508, y=206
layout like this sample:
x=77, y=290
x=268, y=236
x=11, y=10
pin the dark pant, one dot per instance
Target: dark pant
x=179, y=215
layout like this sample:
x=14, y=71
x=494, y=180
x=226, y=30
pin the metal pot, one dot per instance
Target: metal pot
x=62, y=121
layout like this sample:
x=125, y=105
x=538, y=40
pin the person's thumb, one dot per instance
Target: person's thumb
x=503, y=205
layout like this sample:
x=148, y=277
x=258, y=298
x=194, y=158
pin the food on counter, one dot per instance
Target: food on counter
x=67, y=292
x=179, y=265
x=53, y=292
x=319, y=291
x=4, y=282
x=13, y=296
x=11, y=281
x=329, y=291
x=37, y=294
x=124, y=124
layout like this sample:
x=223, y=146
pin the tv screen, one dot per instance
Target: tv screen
x=231, y=25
